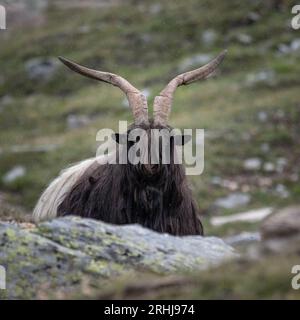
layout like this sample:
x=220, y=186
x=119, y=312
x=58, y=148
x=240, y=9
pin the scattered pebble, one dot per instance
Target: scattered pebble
x=267, y=77
x=209, y=37
x=248, y=216
x=294, y=177
x=84, y=29
x=226, y=183
x=42, y=68
x=262, y=116
x=252, y=164
x=284, y=223
x=216, y=180
x=244, y=38
x=155, y=8
x=269, y=167
x=253, y=16
x=294, y=46
x=77, y=121
x=233, y=200
x=282, y=191
x=243, y=238
x=281, y=164
x=265, y=147
x=6, y=100
x=14, y=174
x=265, y=181
x=230, y=185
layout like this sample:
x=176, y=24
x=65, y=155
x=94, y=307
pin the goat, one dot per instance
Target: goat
x=155, y=196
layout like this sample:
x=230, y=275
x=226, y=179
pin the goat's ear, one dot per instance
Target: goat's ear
x=119, y=138
x=181, y=140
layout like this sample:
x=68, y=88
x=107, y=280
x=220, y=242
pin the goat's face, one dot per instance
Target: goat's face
x=149, y=149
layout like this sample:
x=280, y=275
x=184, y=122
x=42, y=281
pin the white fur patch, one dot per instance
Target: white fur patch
x=47, y=205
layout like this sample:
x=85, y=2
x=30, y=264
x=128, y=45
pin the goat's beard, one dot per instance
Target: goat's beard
x=124, y=194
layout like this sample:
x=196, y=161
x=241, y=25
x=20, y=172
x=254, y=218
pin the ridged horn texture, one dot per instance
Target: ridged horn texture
x=137, y=101
x=163, y=102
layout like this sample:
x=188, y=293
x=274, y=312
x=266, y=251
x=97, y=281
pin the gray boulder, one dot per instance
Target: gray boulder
x=61, y=252
x=41, y=68
x=283, y=223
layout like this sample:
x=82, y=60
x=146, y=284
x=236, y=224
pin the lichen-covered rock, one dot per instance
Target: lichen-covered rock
x=62, y=251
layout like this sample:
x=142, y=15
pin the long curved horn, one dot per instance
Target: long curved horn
x=163, y=102
x=136, y=99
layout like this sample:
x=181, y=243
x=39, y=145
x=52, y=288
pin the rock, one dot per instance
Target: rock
x=230, y=184
x=14, y=174
x=265, y=77
x=41, y=68
x=209, y=37
x=265, y=147
x=248, y=216
x=262, y=116
x=62, y=251
x=253, y=16
x=281, y=164
x=77, y=121
x=146, y=38
x=6, y=100
x=244, y=38
x=281, y=231
x=233, y=200
x=252, y=164
x=84, y=29
x=216, y=180
x=269, y=167
x=155, y=8
x=264, y=182
x=294, y=46
x=226, y=183
x=282, y=191
x=243, y=238
x=283, y=223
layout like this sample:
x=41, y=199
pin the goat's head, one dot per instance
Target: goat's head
x=150, y=169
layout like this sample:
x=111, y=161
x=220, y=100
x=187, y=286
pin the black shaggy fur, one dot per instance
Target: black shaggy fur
x=157, y=197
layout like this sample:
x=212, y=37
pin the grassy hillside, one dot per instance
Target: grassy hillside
x=249, y=110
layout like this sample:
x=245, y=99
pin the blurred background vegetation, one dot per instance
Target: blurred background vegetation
x=250, y=111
